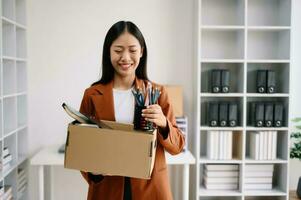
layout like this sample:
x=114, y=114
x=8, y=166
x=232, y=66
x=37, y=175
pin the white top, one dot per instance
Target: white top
x=124, y=105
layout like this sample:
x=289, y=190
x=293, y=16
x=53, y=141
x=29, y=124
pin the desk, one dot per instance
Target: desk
x=293, y=195
x=49, y=156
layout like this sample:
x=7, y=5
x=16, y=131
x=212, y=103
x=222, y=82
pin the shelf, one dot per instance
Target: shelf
x=20, y=11
x=273, y=192
x=22, y=110
x=277, y=161
x=236, y=148
x=221, y=94
x=208, y=128
x=9, y=77
x=222, y=44
x=204, y=108
x=269, y=44
x=8, y=39
x=269, y=28
x=222, y=27
x=206, y=60
x=267, y=95
x=8, y=9
x=205, y=160
x=281, y=76
x=236, y=73
x=269, y=12
x=267, y=61
x=250, y=128
x=9, y=115
x=224, y=193
x=220, y=197
x=226, y=12
x=21, y=77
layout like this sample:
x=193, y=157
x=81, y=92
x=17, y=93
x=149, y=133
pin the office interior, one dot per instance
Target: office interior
x=60, y=56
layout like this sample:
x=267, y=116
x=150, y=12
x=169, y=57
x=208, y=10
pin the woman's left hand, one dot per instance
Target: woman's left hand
x=153, y=113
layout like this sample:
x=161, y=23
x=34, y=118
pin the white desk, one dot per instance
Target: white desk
x=49, y=156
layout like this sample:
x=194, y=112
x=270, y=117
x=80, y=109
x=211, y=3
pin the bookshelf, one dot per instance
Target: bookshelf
x=243, y=36
x=13, y=101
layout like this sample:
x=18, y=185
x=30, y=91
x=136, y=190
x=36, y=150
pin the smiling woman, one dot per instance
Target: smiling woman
x=111, y=98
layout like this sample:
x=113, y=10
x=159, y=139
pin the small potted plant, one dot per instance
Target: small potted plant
x=295, y=151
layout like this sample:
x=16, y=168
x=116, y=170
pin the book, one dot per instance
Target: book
x=259, y=174
x=256, y=186
x=228, y=186
x=81, y=118
x=221, y=173
x=221, y=145
x=274, y=145
x=7, y=159
x=254, y=145
x=5, y=151
x=220, y=179
x=221, y=167
x=258, y=180
x=262, y=167
x=261, y=145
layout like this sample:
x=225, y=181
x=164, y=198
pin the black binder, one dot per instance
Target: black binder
x=257, y=114
x=223, y=114
x=271, y=81
x=278, y=114
x=268, y=114
x=233, y=114
x=216, y=80
x=261, y=81
x=212, y=114
x=225, y=81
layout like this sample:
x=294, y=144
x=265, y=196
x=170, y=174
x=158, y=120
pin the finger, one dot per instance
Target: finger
x=152, y=116
x=150, y=111
x=154, y=106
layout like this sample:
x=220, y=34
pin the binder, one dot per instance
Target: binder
x=261, y=81
x=278, y=114
x=271, y=81
x=268, y=114
x=257, y=114
x=216, y=80
x=233, y=114
x=225, y=81
x=223, y=114
x=213, y=114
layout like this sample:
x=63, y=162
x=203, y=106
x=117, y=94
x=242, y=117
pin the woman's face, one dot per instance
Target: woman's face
x=125, y=54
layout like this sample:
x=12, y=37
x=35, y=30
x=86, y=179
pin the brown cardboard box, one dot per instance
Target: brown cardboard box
x=175, y=94
x=120, y=151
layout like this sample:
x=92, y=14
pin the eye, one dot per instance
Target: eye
x=133, y=50
x=117, y=51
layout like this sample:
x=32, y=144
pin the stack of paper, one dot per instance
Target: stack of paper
x=7, y=159
x=8, y=193
x=263, y=145
x=259, y=177
x=219, y=145
x=182, y=123
x=221, y=177
x=22, y=181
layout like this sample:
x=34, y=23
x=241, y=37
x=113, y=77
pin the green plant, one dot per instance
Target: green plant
x=295, y=150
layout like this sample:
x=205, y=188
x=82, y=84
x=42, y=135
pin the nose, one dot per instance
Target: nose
x=125, y=56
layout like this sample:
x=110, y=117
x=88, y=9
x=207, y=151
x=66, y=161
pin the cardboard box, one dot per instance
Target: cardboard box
x=119, y=151
x=175, y=94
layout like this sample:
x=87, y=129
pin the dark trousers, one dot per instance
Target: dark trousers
x=127, y=195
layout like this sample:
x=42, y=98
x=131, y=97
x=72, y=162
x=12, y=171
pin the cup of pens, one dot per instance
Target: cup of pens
x=143, y=99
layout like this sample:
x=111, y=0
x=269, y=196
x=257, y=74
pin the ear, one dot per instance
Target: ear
x=141, y=54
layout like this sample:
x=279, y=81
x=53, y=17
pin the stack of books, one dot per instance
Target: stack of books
x=182, y=123
x=219, y=145
x=7, y=159
x=263, y=145
x=8, y=193
x=259, y=177
x=22, y=181
x=221, y=176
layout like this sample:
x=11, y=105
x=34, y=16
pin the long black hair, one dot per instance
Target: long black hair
x=114, y=32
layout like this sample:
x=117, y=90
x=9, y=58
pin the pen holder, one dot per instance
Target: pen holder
x=139, y=122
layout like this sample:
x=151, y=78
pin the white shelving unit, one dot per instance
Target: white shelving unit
x=13, y=97
x=243, y=36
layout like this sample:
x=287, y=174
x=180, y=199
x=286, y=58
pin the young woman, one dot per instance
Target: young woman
x=110, y=98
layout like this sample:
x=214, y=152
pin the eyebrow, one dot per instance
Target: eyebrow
x=120, y=46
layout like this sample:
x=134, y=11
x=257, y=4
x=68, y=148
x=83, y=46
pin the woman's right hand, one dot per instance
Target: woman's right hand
x=95, y=173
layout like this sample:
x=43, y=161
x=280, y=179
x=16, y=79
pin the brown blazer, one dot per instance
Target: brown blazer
x=98, y=102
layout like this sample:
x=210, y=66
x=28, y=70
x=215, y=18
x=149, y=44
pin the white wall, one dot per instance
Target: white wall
x=65, y=41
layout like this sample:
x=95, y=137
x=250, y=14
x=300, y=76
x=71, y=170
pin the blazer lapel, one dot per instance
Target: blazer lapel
x=103, y=102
